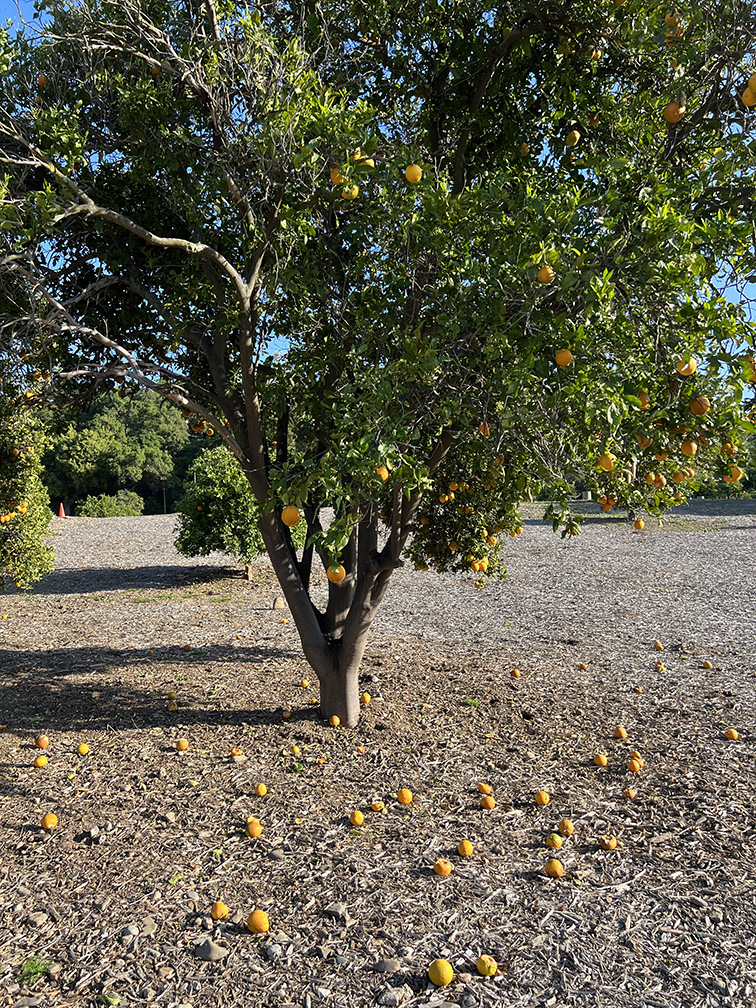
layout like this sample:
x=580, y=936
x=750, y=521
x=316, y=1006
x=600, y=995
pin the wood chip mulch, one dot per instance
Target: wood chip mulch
x=113, y=905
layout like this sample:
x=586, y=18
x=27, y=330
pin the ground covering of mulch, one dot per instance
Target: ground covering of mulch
x=113, y=905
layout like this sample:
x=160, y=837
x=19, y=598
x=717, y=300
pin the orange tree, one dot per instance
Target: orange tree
x=413, y=261
x=24, y=504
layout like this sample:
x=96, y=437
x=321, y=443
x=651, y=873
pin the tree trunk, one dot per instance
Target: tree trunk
x=340, y=689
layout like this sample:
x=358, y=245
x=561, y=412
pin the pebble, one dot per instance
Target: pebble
x=279, y=603
x=209, y=951
x=149, y=926
x=273, y=951
x=277, y=855
x=130, y=930
x=37, y=919
x=387, y=966
x=396, y=996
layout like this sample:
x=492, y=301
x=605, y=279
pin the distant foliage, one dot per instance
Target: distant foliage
x=124, y=504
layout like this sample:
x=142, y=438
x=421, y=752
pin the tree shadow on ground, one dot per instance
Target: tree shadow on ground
x=38, y=694
x=90, y=580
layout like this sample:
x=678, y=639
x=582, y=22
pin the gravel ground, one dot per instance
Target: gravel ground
x=114, y=902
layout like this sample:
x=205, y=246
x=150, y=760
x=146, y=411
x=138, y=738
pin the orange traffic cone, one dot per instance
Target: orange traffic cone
x=61, y=512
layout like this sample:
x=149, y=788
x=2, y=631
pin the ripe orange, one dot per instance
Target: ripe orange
x=634, y=766
x=40, y=761
x=383, y=472
x=554, y=840
x=566, y=827
x=553, y=868
x=545, y=274
x=258, y=922
x=219, y=910
x=181, y=744
x=707, y=664
x=253, y=827
x=673, y=113
x=336, y=177
x=600, y=759
x=83, y=749
x=404, y=796
x=442, y=867
x=637, y=756
x=356, y=818
x=440, y=972
x=658, y=646
x=350, y=192
x=49, y=821
x=542, y=798
x=689, y=448
x=486, y=965
x=573, y=138
x=413, y=173
x=484, y=788
x=608, y=842
x=290, y=515
x=629, y=793
x=700, y=405
x=731, y=734
x=42, y=742
x=606, y=462
x=563, y=357
x=261, y=790
x=377, y=806
x=515, y=673
x=748, y=97
x=645, y=400
x=336, y=573
x=687, y=367
x=660, y=666
x=365, y=698
x=639, y=524
x=465, y=848
x=620, y=732
x=236, y=751
x=487, y=801
x=334, y=720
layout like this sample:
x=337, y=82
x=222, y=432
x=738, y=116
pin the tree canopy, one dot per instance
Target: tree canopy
x=412, y=260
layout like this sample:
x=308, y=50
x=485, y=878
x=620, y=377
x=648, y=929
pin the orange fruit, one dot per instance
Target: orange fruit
x=486, y=965
x=600, y=759
x=334, y=720
x=361, y=749
x=41, y=741
x=699, y=406
x=413, y=173
x=465, y=848
x=573, y=138
x=219, y=910
x=563, y=358
x=356, y=818
x=554, y=868
x=442, y=867
x=258, y=922
x=542, y=798
x=365, y=698
x=608, y=842
x=484, y=788
x=336, y=573
x=629, y=793
x=636, y=756
x=606, y=462
x=545, y=274
x=637, y=689
x=487, y=801
x=515, y=673
x=261, y=790
x=83, y=749
x=658, y=646
x=350, y=192
x=689, y=448
x=336, y=177
x=253, y=827
x=49, y=821
x=404, y=796
x=620, y=732
x=639, y=524
x=181, y=744
x=40, y=761
x=673, y=113
x=707, y=664
x=286, y=715
x=290, y=515
x=634, y=766
x=566, y=827
x=440, y=972
x=660, y=666
x=554, y=841
x=383, y=472
x=687, y=367
x=305, y=684
x=731, y=734
x=583, y=667
x=645, y=400
x=377, y=806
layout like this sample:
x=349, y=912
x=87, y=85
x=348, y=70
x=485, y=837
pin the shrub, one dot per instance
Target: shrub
x=124, y=504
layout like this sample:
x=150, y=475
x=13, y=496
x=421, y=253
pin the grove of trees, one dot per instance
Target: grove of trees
x=411, y=261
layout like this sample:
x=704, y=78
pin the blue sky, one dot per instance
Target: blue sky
x=9, y=9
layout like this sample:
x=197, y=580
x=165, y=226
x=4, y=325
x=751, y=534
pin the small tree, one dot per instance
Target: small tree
x=24, y=505
x=488, y=239
x=124, y=504
x=218, y=510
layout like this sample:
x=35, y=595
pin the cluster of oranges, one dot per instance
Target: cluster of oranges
x=350, y=190
x=20, y=509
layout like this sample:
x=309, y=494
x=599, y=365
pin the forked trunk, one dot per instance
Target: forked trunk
x=340, y=690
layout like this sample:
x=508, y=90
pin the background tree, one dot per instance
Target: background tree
x=119, y=440
x=24, y=505
x=489, y=241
